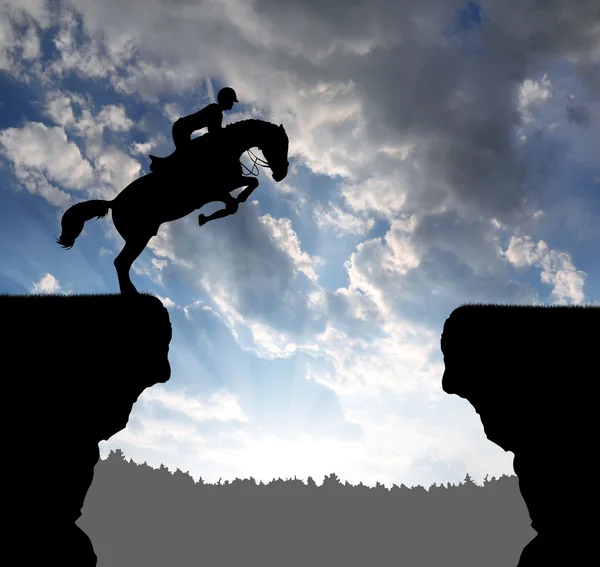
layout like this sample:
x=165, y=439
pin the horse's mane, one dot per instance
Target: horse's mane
x=242, y=128
x=248, y=122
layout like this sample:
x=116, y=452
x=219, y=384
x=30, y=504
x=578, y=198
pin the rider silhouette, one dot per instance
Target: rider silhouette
x=210, y=117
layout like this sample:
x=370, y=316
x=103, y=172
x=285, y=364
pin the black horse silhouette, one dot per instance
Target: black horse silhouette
x=176, y=187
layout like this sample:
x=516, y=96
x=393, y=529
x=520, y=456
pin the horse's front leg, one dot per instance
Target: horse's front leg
x=231, y=203
x=231, y=207
x=252, y=183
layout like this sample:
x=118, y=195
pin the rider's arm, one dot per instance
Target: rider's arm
x=183, y=128
x=214, y=122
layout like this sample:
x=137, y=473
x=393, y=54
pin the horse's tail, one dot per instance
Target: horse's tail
x=76, y=216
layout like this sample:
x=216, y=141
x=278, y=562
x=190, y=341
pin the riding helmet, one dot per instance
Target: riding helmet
x=227, y=94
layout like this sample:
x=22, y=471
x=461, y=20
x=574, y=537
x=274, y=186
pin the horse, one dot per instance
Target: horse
x=174, y=189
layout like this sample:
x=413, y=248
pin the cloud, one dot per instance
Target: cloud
x=42, y=158
x=37, y=147
x=354, y=96
x=20, y=45
x=24, y=11
x=47, y=162
x=341, y=222
x=115, y=170
x=255, y=263
x=172, y=111
x=395, y=362
x=557, y=268
x=167, y=302
x=423, y=268
x=89, y=60
x=283, y=235
x=222, y=406
x=113, y=116
x=388, y=447
x=76, y=113
x=59, y=107
x=142, y=148
x=385, y=196
x=48, y=284
x=533, y=93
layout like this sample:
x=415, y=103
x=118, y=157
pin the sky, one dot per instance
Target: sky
x=441, y=153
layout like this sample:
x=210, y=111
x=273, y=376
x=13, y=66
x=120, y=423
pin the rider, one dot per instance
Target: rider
x=210, y=117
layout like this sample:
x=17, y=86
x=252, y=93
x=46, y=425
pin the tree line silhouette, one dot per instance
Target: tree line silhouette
x=139, y=515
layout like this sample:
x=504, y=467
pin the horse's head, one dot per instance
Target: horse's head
x=275, y=150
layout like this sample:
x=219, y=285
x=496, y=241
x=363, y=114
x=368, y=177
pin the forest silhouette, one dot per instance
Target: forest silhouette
x=139, y=515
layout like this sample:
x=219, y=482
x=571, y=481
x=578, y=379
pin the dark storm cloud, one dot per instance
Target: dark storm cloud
x=456, y=103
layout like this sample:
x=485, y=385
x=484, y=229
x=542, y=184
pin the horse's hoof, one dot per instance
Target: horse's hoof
x=201, y=219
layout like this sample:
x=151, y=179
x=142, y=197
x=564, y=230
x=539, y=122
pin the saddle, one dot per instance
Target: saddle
x=160, y=163
x=203, y=144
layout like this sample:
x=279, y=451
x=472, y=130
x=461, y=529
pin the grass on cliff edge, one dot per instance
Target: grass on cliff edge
x=8, y=297
x=48, y=296
x=524, y=306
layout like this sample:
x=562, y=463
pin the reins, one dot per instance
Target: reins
x=254, y=162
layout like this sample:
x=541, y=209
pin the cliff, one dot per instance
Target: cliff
x=73, y=368
x=529, y=372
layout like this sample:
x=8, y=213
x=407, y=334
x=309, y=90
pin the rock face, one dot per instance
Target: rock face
x=73, y=368
x=530, y=373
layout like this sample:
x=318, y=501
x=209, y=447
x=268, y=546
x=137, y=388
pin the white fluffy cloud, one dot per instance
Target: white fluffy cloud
x=557, y=269
x=533, y=93
x=116, y=170
x=47, y=162
x=89, y=60
x=37, y=147
x=113, y=116
x=283, y=235
x=76, y=113
x=42, y=157
x=48, y=284
x=340, y=221
x=20, y=46
x=221, y=406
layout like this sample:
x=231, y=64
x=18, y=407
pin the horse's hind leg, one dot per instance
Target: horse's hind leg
x=134, y=246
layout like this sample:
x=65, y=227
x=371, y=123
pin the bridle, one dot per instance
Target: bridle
x=254, y=164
